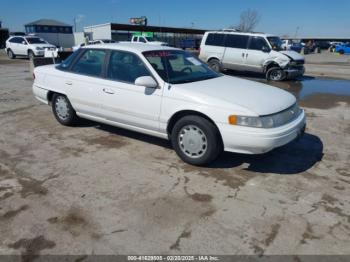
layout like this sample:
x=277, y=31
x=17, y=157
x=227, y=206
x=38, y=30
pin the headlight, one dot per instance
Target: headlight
x=270, y=121
x=39, y=48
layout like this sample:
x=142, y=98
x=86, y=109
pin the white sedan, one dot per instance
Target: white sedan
x=168, y=93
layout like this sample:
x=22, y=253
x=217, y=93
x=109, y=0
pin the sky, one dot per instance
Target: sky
x=304, y=17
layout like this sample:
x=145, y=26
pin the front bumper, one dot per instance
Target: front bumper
x=250, y=140
x=294, y=72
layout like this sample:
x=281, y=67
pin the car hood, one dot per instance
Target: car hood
x=292, y=54
x=43, y=45
x=226, y=91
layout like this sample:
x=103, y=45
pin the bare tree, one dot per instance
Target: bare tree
x=249, y=20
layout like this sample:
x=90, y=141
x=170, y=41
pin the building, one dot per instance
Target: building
x=54, y=32
x=123, y=32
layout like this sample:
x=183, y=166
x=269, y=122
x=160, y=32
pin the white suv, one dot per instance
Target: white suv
x=30, y=46
x=252, y=52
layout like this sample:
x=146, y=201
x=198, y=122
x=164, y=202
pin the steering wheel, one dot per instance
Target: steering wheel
x=187, y=68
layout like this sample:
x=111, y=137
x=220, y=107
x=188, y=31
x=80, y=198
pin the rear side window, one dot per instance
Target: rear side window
x=258, y=43
x=90, y=63
x=17, y=40
x=68, y=61
x=215, y=39
x=237, y=41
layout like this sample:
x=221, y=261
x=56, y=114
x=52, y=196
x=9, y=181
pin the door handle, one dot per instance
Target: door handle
x=246, y=55
x=69, y=83
x=243, y=55
x=108, y=91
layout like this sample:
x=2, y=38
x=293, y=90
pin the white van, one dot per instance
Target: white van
x=252, y=52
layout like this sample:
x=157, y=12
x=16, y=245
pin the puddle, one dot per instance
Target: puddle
x=317, y=93
x=302, y=89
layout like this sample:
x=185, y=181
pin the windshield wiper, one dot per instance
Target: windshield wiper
x=194, y=80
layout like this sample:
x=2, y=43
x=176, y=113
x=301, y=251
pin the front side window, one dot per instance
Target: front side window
x=142, y=40
x=258, y=43
x=126, y=67
x=90, y=63
x=237, y=41
x=178, y=67
x=275, y=42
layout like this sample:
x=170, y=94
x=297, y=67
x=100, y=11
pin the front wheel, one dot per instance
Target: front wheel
x=10, y=54
x=275, y=74
x=63, y=110
x=196, y=140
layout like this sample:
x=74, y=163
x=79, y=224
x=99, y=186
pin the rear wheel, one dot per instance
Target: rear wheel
x=196, y=140
x=275, y=74
x=215, y=65
x=10, y=54
x=63, y=110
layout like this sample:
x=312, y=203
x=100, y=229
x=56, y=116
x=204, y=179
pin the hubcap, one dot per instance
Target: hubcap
x=192, y=141
x=276, y=75
x=215, y=67
x=62, y=109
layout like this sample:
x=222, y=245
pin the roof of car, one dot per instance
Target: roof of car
x=132, y=47
x=240, y=33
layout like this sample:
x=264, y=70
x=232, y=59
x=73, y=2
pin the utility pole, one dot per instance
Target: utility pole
x=296, y=32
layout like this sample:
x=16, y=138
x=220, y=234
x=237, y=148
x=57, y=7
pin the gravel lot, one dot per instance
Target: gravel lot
x=96, y=189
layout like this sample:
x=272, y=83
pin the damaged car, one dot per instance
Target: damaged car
x=250, y=52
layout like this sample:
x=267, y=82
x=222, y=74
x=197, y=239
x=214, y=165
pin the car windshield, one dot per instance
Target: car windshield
x=178, y=67
x=36, y=40
x=275, y=42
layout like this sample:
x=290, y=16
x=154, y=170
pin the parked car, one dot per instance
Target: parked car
x=147, y=40
x=169, y=93
x=252, y=52
x=95, y=42
x=333, y=45
x=343, y=49
x=30, y=46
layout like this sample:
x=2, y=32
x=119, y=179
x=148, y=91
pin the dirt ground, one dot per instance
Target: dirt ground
x=95, y=189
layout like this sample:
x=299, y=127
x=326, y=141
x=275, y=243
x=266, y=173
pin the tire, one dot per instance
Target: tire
x=275, y=74
x=63, y=110
x=10, y=54
x=196, y=140
x=31, y=54
x=215, y=65
x=342, y=52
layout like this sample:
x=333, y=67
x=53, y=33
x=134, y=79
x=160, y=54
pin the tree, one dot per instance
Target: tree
x=249, y=19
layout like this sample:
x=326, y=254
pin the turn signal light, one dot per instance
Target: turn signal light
x=232, y=120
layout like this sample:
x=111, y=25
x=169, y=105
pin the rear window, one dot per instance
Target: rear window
x=215, y=39
x=237, y=41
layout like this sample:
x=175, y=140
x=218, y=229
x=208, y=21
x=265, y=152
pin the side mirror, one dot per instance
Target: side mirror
x=146, y=81
x=265, y=49
x=24, y=42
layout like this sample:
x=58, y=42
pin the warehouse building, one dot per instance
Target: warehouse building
x=54, y=32
x=124, y=32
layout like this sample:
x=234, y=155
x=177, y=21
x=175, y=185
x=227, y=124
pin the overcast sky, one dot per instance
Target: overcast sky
x=312, y=17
